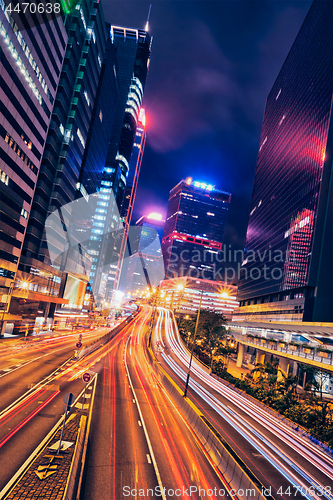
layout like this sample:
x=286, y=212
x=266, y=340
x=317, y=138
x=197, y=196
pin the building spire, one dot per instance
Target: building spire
x=147, y=23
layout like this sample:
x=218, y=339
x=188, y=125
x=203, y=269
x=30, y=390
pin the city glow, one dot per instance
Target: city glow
x=155, y=216
x=142, y=116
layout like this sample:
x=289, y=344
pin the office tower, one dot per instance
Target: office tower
x=65, y=171
x=145, y=265
x=194, y=229
x=287, y=269
x=132, y=55
x=30, y=65
x=126, y=208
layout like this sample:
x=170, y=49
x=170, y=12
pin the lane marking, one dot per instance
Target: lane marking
x=139, y=423
x=29, y=460
x=152, y=456
x=148, y=458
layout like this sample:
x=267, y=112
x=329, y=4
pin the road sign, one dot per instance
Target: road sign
x=86, y=377
x=69, y=399
x=79, y=345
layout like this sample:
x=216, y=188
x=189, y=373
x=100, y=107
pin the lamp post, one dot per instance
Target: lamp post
x=195, y=333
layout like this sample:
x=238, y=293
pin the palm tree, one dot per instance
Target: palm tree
x=289, y=383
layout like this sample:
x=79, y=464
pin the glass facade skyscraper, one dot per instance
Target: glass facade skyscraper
x=287, y=268
x=194, y=230
x=145, y=265
x=66, y=165
x=132, y=56
x=31, y=57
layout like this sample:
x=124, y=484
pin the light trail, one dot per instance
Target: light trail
x=252, y=435
x=27, y=419
x=177, y=451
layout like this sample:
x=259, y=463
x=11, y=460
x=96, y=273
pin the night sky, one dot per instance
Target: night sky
x=212, y=66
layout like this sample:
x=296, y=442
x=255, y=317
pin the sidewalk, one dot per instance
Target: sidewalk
x=236, y=371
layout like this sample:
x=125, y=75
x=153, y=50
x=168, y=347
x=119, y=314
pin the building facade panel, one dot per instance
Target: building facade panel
x=292, y=160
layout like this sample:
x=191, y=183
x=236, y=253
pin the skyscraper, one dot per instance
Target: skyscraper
x=194, y=229
x=132, y=55
x=65, y=170
x=127, y=204
x=287, y=269
x=30, y=65
x=145, y=265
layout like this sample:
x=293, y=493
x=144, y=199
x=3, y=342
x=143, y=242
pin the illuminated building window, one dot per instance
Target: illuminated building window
x=15, y=147
x=4, y=177
x=22, y=66
x=87, y=97
x=80, y=136
x=83, y=19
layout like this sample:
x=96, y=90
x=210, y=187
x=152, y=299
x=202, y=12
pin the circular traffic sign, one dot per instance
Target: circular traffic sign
x=79, y=345
x=86, y=377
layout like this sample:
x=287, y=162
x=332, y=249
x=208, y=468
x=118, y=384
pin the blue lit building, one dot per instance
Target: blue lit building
x=145, y=265
x=132, y=48
x=70, y=168
x=194, y=230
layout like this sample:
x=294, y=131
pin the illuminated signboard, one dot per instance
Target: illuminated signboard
x=68, y=5
x=202, y=185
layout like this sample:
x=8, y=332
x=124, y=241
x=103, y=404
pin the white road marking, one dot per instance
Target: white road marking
x=152, y=456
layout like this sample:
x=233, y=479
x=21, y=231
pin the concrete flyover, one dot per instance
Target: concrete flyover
x=287, y=353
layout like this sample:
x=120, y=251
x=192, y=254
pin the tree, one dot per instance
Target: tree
x=267, y=371
x=288, y=384
x=316, y=378
x=212, y=329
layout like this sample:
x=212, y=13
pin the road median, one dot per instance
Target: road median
x=51, y=475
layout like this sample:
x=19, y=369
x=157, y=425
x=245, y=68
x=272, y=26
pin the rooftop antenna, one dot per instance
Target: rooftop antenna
x=147, y=23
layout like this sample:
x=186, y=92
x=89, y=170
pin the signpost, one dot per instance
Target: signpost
x=68, y=400
x=86, y=377
x=79, y=345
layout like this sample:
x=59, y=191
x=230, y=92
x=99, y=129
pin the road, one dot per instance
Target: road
x=34, y=376
x=285, y=462
x=139, y=442
x=140, y=445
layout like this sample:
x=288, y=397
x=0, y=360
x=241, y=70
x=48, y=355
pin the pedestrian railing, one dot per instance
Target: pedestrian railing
x=308, y=353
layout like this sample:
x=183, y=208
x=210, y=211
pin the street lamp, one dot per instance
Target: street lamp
x=195, y=333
